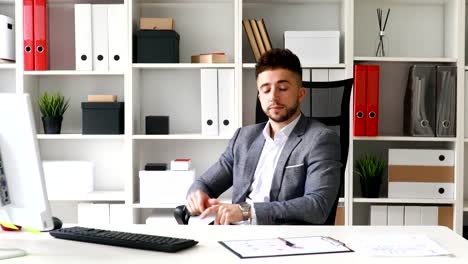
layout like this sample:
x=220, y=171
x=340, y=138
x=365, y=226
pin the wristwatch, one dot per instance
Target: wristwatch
x=245, y=210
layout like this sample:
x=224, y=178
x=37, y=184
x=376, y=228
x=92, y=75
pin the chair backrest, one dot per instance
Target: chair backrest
x=327, y=102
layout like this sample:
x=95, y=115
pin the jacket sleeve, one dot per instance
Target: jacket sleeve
x=218, y=178
x=320, y=191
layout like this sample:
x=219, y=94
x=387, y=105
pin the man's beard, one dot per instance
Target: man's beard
x=289, y=113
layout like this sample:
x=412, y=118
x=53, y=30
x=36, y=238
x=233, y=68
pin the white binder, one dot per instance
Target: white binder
x=83, y=38
x=421, y=157
x=395, y=215
x=226, y=94
x=429, y=215
x=209, y=101
x=7, y=38
x=320, y=97
x=117, y=36
x=412, y=215
x=100, y=38
x=378, y=215
x=305, y=106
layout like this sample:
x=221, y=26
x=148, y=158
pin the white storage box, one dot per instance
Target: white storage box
x=93, y=214
x=165, y=187
x=314, y=47
x=68, y=179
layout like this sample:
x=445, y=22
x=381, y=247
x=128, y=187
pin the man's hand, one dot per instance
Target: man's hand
x=225, y=213
x=198, y=201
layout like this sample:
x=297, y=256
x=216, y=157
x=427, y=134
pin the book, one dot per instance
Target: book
x=257, y=36
x=210, y=58
x=251, y=38
x=264, y=34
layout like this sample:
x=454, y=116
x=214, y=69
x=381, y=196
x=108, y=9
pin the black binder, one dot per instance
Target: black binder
x=446, y=95
x=420, y=101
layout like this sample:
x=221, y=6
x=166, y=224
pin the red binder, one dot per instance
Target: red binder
x=360, y=84
x=28, y=34
x=40, y=35
x=372, y=116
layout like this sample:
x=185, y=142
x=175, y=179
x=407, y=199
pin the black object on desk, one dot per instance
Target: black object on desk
x=123, y=239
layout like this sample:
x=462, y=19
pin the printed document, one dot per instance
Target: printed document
x=255, y=248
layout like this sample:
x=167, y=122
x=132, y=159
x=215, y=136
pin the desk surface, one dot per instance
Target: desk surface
x=45, y=249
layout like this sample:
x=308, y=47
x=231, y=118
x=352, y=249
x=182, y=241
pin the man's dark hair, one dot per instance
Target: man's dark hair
x=279, y=59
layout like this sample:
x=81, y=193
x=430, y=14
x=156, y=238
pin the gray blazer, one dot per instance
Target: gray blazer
x=305, y=182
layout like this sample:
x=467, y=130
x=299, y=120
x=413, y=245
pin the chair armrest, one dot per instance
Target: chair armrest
x=181, y=215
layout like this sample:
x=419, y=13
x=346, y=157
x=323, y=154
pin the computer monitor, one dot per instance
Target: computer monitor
x=24, y=202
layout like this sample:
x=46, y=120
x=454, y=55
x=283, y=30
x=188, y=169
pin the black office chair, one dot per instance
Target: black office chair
x=339, y=100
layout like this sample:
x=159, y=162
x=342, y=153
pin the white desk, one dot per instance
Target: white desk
x=45, y=249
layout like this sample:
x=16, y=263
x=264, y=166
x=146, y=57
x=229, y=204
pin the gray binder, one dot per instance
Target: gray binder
x=446, y=95
x=420, y=101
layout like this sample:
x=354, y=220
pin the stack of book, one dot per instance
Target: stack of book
x=257, y=36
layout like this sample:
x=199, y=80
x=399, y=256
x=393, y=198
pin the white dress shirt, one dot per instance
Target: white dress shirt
x=263, y=177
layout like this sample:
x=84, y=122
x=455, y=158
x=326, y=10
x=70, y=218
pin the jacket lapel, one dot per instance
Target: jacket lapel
x=293, y=140
x=253, y=156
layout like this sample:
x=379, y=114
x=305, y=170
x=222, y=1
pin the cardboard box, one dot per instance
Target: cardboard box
x=167, y=187
x=210, y=58
x=102, y=98
x=153, y=23
x=314, y=47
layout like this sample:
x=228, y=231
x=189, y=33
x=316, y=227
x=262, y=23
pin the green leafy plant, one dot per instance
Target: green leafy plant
x=369, y=166
x=370, y=169
x=53, y=105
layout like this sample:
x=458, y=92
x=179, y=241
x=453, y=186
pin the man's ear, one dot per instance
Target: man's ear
x=302, y=93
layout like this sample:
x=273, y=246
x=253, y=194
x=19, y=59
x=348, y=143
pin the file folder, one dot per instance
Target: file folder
x=28, y=34
x=7, y=38
x=412, y=215
x=117, y=36
x=360, y=87
x=251, y=38
x=395, y=215
x=372, y=101
x=378, y=215
x=209, y=101
x=83, y=37
x=100, y=37
x=40, y=35
x=446, y=93
x=226, y=90
x=420, y=101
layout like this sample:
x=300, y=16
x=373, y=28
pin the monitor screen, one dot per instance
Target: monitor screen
x=23, y=194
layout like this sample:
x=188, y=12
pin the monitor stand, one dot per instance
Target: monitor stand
x=6, y=253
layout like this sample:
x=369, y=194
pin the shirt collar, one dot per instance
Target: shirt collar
x=284, y=132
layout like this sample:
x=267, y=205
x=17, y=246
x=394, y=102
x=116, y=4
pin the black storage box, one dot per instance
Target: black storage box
x=103, y=117
x=157, y=46
x=157, y=125
x=156, y=166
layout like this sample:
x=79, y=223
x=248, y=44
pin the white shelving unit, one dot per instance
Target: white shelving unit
x=418, y=31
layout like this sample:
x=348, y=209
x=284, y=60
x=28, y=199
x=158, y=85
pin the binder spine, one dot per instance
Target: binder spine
x=28, y=35
x=446, y=95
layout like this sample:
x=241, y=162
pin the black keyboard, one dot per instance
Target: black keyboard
x=123, y=239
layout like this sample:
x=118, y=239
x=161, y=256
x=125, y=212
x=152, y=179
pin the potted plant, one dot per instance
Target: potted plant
x=370, y=169
x=52, y=109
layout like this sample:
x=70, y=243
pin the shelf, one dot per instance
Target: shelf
x=181, y=65
x=180, y=136
x=72, y=73
x=314, y=66
x=79, y=136
x=10, y=2
x=94, y=196
x=403, y=201
x=390, y=138
x=341, y=200
x=7, y=66
x=403, y=59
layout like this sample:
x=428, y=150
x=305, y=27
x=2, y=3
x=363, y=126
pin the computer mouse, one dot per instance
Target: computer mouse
x=57, y=222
